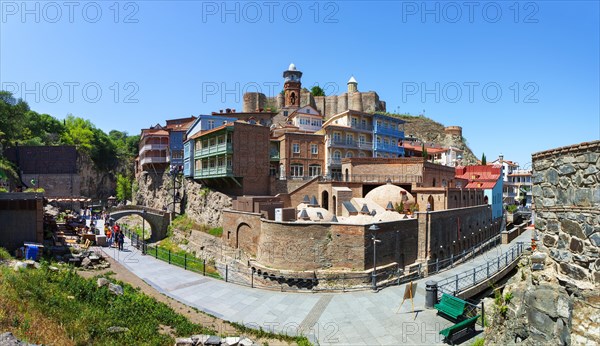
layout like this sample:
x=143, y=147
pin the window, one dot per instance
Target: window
x=220, y=140
x=198, y=165
x=228, y=161
x=221, y=161
x=297, y=170
x=349, y=154
x=198, y=145
x=210, y=125
x=361, y=154
x=354, y=122
x=386, y=142
x=361, y=139
x=363, y=124
x=337, y=137
x=378, y=124
x=296, y=148
x=378, y=140
x=349, y=138
x=337, y=155
x=314, y=149
x=211, y=142
x=211, y=163
x=314, y=170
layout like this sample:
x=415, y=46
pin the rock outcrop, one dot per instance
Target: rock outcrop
x=543, y=310
x=199, y=203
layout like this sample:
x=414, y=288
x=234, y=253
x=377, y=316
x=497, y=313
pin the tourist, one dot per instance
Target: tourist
x=121, y=240
x=109, y=235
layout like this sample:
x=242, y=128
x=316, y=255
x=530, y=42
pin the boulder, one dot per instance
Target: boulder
x=116, y=289
x=20, y=266
x=576, y=245
x=245, y=342
x=230, y=341
x=200, y=339
x=213, y=340
x=184, y=342
x=86, y=262
x=8, y=339
x=102, y=282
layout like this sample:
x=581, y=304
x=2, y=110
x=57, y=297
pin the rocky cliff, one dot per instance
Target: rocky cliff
x=93, y=182
x=431, y=131
x=199, y=203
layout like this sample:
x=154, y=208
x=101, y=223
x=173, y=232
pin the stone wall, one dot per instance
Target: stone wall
x=446, y=232
x=566, y=196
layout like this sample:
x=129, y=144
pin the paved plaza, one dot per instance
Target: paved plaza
x=351, y=318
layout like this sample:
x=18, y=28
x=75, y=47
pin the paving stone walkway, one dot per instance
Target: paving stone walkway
x=351, y=318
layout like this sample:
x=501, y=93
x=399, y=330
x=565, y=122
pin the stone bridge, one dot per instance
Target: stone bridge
x=159, y=220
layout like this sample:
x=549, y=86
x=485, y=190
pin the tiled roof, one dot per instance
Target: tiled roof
x=479, y=177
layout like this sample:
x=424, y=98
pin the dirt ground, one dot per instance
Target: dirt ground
x=194, y=315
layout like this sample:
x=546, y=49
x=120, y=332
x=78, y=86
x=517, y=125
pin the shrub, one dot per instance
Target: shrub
x=4, y=254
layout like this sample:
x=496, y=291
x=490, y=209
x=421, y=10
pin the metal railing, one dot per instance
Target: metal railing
x=247, y=275
x=472, y=277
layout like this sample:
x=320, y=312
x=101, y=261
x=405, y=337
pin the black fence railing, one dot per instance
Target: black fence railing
x=472, y=277
x=242, y=274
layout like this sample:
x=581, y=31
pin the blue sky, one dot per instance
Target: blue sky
x=518, y=77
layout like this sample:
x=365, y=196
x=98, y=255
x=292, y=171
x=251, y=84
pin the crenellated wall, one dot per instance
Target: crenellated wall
x=566, y=197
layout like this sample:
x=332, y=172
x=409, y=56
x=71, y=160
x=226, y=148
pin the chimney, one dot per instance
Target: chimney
x=220, y=111
x=228, y=110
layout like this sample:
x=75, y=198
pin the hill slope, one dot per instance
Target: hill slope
x=431, y=131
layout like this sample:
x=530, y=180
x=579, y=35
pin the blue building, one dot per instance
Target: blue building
x=388, y=134
x=177, y=129
x=202, y=123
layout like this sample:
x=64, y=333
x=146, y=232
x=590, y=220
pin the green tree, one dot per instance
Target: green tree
x=483, y=159
x=424, y=151
x=123, y=188
x=317, y=91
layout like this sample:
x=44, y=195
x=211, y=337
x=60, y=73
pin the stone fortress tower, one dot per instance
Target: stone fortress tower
x=294, y=97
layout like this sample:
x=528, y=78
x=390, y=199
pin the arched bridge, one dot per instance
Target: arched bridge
x=158, y=219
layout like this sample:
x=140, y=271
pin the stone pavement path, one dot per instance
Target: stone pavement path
x=352, y=318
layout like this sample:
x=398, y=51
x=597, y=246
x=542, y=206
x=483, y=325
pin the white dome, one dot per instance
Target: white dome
x=390, y=193
x=292, y=67
x=352, y=80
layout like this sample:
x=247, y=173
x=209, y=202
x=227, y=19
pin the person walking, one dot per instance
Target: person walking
x=109, y=236
x=121, y=240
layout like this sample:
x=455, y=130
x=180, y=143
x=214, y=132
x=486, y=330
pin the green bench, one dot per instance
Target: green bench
x=451, y=306
x=450, y=332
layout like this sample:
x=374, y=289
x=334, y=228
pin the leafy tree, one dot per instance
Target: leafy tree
x=317, y=91
x=424, y=151
x=483, y=159
x=123, y=188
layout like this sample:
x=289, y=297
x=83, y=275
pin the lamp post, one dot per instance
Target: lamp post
x=143, y=231
x=374, y=228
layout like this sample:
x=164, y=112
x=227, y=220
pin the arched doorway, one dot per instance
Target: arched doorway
x=242, y=235
x=430, y=203
x=485, y=200
x=325, y=200
x=347, y=175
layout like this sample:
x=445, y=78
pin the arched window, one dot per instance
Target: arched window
x=337, y=155
x=349, y=154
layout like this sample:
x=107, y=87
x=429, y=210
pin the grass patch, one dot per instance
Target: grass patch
x=261, y=333
x=62, y=308
x=4, y=254
x=169, y=252
x=217, y=231
x=478, y=342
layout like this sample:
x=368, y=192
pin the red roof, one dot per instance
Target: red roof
x=418, y=148
x=479, y=177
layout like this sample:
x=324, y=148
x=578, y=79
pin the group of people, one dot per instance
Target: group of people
x=114, y=235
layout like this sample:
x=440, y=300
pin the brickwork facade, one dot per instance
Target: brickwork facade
x=295, y=246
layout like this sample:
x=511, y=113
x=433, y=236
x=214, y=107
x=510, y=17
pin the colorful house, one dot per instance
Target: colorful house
x=487, y=178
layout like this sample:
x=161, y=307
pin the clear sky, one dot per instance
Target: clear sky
x=519, y=77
